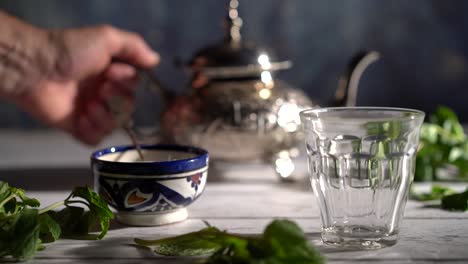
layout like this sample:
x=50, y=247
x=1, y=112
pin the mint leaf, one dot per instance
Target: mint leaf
x=75, y=222
x=25, y=237
x=7, y=225
x=19, y=224
x=21, y=239
x=26, y=201
x=282, y=242
x=455, y=202
x=442, y=142
x=49, y=229
x=4, y=191
x=98, y=209
x=288, y=243
x=436, y=193
x=23, y=228
x=205, y=241
x=450, y=200
x=13, y=199
x=283, y=230
x=462, y=164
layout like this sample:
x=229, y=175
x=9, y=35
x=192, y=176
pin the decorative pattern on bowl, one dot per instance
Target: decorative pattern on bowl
x=152, y=192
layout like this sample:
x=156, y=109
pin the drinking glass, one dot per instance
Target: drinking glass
x=361, y=164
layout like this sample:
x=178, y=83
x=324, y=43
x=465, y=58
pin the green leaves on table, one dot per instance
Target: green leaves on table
x=437, y=192
x=283, y=241
x=205, y=241
x=19, y=234
x=450, y=199
x=76, y=221
x=455, y=202
x=49, y=229
x=13, y=199
x=442, y=142
x=24, y=228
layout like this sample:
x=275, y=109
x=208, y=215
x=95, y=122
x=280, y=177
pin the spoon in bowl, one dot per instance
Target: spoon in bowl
x=123, y=119
x=131, y=134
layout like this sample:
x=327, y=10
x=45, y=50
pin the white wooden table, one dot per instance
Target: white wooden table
x=428, y=235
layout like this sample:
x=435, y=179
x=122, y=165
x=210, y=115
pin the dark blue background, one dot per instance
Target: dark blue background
x=424, y=44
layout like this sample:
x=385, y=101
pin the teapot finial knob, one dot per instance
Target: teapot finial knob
x=234, y=22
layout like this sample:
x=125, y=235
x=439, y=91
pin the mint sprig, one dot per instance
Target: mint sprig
x=455, y=202
x=24, y=228
x=449, y=198
x=75, y=221
x=442, y=143
x=437, y=192
x=282, y=241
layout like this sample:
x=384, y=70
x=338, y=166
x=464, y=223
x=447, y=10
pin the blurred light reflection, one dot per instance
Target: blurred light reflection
x=264, y=93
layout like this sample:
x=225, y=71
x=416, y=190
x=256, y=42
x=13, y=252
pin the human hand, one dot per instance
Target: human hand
x=73, y=95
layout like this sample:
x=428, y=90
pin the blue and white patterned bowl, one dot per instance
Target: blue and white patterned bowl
x=151, y=192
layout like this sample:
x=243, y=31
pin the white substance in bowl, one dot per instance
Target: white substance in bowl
x=150, y=156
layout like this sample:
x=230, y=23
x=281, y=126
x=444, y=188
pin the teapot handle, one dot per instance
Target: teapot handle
x=346, y=92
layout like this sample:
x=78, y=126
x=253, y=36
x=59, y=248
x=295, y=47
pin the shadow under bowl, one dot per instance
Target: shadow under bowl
x=151, y=192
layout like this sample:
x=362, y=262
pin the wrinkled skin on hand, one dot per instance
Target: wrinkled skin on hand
x=65, y=78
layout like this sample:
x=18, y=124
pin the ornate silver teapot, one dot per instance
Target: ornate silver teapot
x=235, y=107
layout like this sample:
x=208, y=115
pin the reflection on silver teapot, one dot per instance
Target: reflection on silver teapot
x=237, y=109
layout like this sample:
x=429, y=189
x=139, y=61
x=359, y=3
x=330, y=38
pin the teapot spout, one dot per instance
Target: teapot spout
x=346, y=92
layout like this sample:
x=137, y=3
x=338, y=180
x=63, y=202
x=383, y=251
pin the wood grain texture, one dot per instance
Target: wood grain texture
x=428, y=235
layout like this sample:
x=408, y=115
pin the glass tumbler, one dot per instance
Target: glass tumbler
x=361, y=163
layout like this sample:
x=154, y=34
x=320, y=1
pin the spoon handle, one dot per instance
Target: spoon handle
x=123, y=119
x=135, y=143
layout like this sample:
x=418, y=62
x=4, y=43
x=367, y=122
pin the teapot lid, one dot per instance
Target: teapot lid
x=233, y=57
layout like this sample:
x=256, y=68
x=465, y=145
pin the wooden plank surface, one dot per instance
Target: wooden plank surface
x=249, y=201
x=267, y=200
x=428, y=235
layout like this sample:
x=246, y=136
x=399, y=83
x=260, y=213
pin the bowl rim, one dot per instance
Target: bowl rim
x=173, y=166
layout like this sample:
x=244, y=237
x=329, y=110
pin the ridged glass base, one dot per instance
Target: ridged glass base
x=359, y=237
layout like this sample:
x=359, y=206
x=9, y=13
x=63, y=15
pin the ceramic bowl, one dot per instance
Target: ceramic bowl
x=151, y=192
